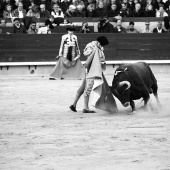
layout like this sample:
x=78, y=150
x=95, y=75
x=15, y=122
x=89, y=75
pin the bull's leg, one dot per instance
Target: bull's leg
x=155, y=90
x=146, y=97
x=132, y=104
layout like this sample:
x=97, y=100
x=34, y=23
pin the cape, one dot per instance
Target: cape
x=67, y=69
x=102, y=96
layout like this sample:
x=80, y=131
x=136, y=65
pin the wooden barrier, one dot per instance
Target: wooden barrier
x=44, y=48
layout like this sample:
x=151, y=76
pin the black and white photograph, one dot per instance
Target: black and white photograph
x=85, y=85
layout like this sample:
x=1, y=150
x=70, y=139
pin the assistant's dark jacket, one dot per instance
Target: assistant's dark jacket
x=156, y=31
x=20, y=30
x=107, y=28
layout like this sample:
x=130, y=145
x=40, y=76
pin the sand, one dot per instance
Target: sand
x=39, y=132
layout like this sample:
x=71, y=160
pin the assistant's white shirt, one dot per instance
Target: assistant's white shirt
x=20, y=14
x=56, y=14
x=144, y=30
x=43, y=30
x=158, y=14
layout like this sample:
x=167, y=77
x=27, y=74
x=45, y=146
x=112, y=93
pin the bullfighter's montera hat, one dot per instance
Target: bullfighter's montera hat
x=102, y=40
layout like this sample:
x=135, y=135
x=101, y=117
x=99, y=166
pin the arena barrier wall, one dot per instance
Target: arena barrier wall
x=35, y=54
x=44, y=48
x=45, y=68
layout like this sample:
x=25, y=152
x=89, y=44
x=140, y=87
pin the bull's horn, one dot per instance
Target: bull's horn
x=117, y=72
x=125, y=82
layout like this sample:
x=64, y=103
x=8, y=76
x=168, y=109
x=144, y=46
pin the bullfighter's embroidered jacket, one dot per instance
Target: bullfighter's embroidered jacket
x=69, y=47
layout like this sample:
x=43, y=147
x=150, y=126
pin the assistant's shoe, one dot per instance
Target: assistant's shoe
x=88, y=111
x=52, y=78
x=73, y=108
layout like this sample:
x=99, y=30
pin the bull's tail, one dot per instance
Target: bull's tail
x=151, y=74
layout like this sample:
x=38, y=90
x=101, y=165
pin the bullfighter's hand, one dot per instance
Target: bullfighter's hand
x=77, y=57
x=104, y=66
x=58, y=56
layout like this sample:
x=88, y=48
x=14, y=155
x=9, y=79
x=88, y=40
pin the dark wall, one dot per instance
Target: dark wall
x=32, y=48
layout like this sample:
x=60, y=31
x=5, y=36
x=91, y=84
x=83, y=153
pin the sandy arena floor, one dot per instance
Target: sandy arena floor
x=39, y=132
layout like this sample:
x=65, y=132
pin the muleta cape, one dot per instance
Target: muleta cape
x=102, y=96
x=67, y=67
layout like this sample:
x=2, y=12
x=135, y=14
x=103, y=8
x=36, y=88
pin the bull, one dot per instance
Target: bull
x=132, y=82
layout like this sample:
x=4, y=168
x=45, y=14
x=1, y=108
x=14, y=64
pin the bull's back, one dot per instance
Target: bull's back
x=145, y=73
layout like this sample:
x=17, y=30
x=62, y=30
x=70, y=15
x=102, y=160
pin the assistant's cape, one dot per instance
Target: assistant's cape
x=67, y=69
x=102, y=98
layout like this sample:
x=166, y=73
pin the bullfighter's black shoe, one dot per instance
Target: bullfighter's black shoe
x=52, y=78
x=88, y=111
x=73, y=108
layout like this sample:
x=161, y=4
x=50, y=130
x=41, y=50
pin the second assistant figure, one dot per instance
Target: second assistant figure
x=69, y=65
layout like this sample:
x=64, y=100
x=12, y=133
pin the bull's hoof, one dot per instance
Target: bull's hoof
x=52, y=78
x=131, y=113
x=144, y=108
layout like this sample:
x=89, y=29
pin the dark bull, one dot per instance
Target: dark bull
x=132, y=82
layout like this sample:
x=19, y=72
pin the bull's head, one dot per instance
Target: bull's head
x=122, y=91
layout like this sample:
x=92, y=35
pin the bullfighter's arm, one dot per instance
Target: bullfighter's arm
x=77, y=46
x=78, y=50
x=89, y=53
x=61, y=46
